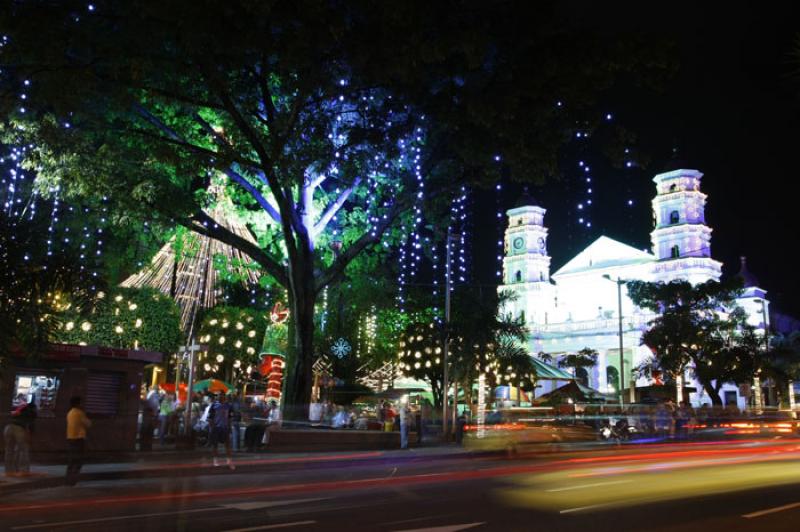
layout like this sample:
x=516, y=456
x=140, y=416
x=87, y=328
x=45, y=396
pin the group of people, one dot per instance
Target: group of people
x=386, y=416
x=214, y=419
x=668, y=419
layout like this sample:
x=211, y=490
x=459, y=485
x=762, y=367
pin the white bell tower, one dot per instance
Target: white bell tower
x=526, y=264
x=681, y=239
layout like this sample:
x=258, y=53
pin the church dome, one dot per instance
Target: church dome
x=526, y=200
x=744, y=274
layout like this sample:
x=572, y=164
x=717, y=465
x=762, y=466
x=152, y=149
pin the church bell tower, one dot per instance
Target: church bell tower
x=681, y=239
x=526, y=264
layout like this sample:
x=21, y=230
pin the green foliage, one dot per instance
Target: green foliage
x=129, y=318
x=35, y=289
x=167, y=101
x=234, y=337
x=483, y=340
x=698, y=326
x=585, y=358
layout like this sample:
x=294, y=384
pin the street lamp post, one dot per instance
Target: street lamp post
x=758, y=403
x=190, y=351
x=446, y=348
x=619, y=283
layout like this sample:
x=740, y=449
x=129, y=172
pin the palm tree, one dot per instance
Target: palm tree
x=489, y=341
x=585, y=358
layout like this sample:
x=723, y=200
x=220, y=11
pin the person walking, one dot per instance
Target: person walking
x=236, y=422
x=17, y=436
x=220, y=424
x=165, y=411
x=405, y=419
x=77, y=423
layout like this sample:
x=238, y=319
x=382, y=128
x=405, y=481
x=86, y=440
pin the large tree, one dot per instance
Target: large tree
x=699, y=327
x=293, y=114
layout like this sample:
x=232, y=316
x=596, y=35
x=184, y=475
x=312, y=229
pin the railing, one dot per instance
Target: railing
x=637, y=321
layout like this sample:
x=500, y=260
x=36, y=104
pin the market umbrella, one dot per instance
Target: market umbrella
x=169, y=387
x=211, y=385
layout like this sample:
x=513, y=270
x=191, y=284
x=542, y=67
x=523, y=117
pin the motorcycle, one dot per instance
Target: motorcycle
x=619, y=431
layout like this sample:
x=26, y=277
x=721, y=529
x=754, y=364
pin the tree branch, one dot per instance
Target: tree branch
x=205, y=225
x=334, y=207
x=223, y=143
x=372, y=236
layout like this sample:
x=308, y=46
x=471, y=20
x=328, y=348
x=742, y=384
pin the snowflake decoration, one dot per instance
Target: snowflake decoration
x=341, y=348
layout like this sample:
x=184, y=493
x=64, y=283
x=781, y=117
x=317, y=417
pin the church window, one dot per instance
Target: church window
x=674, y=217
x=612, y=377
x=674, y=252
x=673, y=187
x=541, y=276
x=582, y=376
x=518, y=276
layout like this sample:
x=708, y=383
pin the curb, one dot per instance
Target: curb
x=194, y=469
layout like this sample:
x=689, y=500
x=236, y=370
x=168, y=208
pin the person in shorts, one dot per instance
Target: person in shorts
x=220, y=427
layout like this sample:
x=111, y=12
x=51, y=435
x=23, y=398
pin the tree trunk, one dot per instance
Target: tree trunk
x=299, y=380
x=712, y=392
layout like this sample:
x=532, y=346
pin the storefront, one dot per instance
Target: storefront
x=107, y=380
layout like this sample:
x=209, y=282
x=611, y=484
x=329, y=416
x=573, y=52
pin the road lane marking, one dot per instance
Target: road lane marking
x=114, y=518
x=257, y=505
x=772, y=510
x=445, y=528
x=581, y=508
x=582, y=486
x=271, y=527
x=400, y=522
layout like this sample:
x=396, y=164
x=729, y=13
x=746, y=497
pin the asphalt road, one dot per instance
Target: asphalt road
x=746, y=485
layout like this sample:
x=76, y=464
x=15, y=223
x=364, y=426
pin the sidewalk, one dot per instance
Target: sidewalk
x=171, y=463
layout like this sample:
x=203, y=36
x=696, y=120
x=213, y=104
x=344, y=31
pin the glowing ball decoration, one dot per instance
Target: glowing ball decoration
x=232, y=333
x=132, y=318
x=417, y=357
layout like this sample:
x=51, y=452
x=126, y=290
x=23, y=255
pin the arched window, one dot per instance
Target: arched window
x=518, y=276
x=673, y=187
x=674, y=252
x=582, y=376
x=674, y=217
x=541, y=276
x=612, y=377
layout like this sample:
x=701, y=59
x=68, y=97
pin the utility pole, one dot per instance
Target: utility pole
x=758, y=403
x=620, y=282
x=446, y=349
x=190, y=350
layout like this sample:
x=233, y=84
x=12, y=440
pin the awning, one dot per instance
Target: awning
x=577, y=392
x=546, y=372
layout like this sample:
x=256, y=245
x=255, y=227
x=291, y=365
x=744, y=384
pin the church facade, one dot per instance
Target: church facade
x=579, y=304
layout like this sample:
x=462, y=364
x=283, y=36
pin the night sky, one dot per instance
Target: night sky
x=733, y=112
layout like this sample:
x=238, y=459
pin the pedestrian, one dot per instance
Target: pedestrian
x=165, y=411
x=77, y=423
x=405, y=419
x=220, y=426
x=150, y=408
x=461, y=422
x=236, y=422
x=17, y=436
